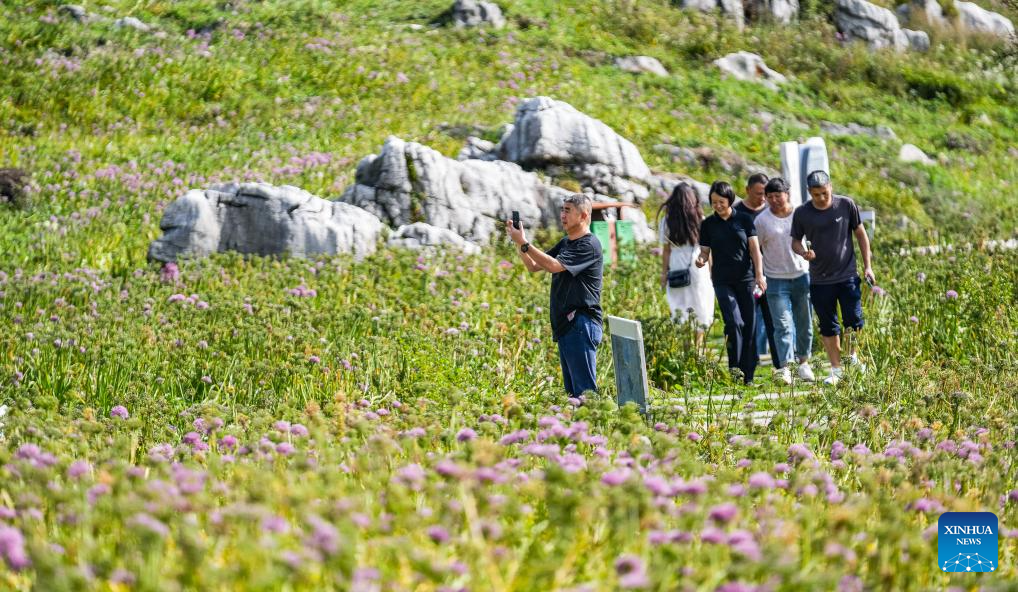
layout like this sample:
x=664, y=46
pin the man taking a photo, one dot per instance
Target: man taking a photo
x=576, y=266
x=828, y=222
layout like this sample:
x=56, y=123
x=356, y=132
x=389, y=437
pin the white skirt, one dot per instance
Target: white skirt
x=696, y=299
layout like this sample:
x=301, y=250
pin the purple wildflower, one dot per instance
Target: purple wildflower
x=617, y=477
x=631, y=572
x=466, y=435
x=761, y=480
x=951, y=294
x=723, y=513
x=119, y=411
x=12, y=548
x=78, y=468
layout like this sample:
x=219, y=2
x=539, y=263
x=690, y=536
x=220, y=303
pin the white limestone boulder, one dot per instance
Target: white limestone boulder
x=874, y=25
x=977, y=19
x=641, y=65
x=420, y=236
x=549, y=132
x=749, y=67
x=408, y=182
x=262, y=219
x=474, y=13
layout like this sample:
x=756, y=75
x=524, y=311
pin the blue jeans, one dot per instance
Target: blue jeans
x=738, y=312
x=790, y=311
x=577, y=352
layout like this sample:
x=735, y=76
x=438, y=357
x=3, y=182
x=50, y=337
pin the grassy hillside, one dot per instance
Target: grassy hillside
x=397, y=423
x=113, y=123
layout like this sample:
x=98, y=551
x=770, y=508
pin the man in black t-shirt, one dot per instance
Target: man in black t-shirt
x=754, y=205
x=829, y=222
x=576, y=265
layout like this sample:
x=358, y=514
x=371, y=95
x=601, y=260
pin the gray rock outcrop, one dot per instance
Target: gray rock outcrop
x=549, y=132
x=474, y=13
x=75, y=11
x=749, y=67
x=917, y=40
x=922, y=12
x=732, y=9
x=262, y=219
x=408, y=182
x=130, y=22
x=977, y=19
x=854, y=129
x=875, y=25
x=778, y=11
x=641, y=65
x=420, y=236
x=912, y=153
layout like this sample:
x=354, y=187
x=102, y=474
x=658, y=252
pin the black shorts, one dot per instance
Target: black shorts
x=827, y=297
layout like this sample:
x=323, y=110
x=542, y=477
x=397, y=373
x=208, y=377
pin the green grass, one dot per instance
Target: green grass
x=443, y=342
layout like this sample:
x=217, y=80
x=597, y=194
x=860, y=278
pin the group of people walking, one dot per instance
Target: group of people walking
x=767, y=264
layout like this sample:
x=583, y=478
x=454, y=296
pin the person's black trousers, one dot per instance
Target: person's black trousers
x=763, y=310
x=738, y=311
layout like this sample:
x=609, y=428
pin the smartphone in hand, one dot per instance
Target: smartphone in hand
x=516, y=220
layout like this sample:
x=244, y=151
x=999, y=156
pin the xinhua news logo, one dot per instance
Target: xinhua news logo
x=967, y=542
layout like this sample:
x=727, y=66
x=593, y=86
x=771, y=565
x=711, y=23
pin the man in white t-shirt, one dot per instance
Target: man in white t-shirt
x=787, y=284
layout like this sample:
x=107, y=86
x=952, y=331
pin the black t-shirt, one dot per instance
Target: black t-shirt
x=578, y=288
x=728, y=241
x=742, y=207
x=830, y=234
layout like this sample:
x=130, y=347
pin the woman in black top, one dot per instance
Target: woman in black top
x=728, y=239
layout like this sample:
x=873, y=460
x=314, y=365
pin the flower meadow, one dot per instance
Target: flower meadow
x=319, y=425
x=397, y=422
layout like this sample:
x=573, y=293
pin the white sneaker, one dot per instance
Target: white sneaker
x=783, y=375
x=853, y=362
x=835, y=376
x=806, y=373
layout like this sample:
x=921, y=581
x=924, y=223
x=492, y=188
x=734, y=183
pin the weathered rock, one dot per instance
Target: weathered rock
x=640, y=65
x=912, y=153
x=262, y=219
x=732, y=9
x=12, y=186
x=877, y=26
x=664, y=184
x=74, y=11
x=854, y=129
x=476, y=149
x=549, y=132
x=750, y=67
x=923, y=12
x=977, y=19
x=471, y=13
x=779, y=11
x=917, y=40
x=421, y=236
x=600, y=178
x=408, y=182
x=131, y=22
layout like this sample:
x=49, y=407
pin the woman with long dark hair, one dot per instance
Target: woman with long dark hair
x=728, y=238
x=687, y=287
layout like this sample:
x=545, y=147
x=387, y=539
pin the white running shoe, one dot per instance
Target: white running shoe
x=783, y=375
x=855, y=364
x=806, y=373
x=834, y=377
